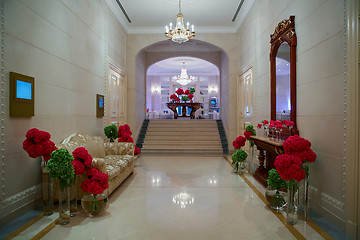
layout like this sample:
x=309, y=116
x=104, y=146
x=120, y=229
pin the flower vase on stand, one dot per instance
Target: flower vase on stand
x=64, y=205
x=239, y=167
x=303, y=195
x=251, y=166
x=94, y=204
x=47, y=187
x=291, y=214
x=73, y=198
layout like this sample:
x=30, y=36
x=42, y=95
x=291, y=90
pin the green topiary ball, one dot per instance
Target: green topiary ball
x=111, y=132
x=274, y=180
x=60, y=167
x=239, y=156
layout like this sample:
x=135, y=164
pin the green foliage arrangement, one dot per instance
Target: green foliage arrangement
x=239, y=156
x=111, y=132
x=185, y=98
x=60, y=167
x=191, y=90
x=274, y=180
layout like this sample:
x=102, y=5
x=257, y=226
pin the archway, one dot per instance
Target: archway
x=160, y=84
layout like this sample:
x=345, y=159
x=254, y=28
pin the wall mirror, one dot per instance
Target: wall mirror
x=283, y=72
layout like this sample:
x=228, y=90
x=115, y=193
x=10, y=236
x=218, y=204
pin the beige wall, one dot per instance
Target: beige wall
x=320, y=86
x=65, y=45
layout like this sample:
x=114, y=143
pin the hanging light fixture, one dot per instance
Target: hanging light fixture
x=179, y=34
x=183, y=78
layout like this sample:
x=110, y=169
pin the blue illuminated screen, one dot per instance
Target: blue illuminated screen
x=23, y=90
x=213, y=102
x=101, y=102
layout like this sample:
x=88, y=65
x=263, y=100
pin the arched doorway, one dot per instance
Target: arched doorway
x=160, y=84
x=142, y=56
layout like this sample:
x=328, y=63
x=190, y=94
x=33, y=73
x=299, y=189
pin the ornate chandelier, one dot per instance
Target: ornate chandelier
x=179, y=34
x=183, y=78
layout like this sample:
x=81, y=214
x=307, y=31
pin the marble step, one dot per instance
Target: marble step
x=182, y=146
x=175, y=138
x=182, y=134
x=182, y=152
x=181, y=129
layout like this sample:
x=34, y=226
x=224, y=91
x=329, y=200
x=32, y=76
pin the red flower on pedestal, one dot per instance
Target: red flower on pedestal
x=37, y=144
x=289, y=167
x=247, y=134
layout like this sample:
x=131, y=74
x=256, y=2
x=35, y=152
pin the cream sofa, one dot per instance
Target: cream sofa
x=113, y=158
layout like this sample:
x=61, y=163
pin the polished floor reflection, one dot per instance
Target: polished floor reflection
x=182, y=198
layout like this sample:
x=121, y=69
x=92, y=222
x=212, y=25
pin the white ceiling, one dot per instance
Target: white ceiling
x=208, y=16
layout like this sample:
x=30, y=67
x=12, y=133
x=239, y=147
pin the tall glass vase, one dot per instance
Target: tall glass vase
x=64, y=205
x=73, y=198
x=47, y=188
x=303, y=195
x=251, y=166
x=291, y=215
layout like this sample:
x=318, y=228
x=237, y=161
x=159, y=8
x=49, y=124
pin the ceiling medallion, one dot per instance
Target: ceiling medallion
x=179, y=34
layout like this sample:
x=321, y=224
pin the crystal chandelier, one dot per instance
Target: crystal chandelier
x=183, y=78
x=179, y=34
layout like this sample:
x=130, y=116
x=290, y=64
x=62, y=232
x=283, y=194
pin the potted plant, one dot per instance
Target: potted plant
x=239, y=157
x=111, y=132
x=95, y=185
x=60, y=167
x=274, y=195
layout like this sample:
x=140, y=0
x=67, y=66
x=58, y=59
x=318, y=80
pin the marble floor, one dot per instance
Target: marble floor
x=171, y=197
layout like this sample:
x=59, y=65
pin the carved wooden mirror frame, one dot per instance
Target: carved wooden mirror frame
x=284, y=32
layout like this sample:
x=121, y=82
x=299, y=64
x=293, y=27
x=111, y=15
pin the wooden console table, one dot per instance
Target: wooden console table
x=269, y=149
x=194, y=107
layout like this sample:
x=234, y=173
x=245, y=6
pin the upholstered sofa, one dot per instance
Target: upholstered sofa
x=113, y=158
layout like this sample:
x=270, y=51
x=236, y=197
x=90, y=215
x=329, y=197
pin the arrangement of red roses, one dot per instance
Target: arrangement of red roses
x=277, y=124
x=38, y=144
x=187, y=95
x=290, y=165
x=96, y=183
x=124, y=135
x=82, y=160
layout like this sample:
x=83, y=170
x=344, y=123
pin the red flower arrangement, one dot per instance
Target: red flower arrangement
x=37, y=144
x=265, y=122
x=187, y=91
x=124, y=135
x=239, y=142
x=259, y=125
x=190, y=96
x=82, y=159
x=137, y=151
x=289, y=167
x=96, y=183
x=300, y=147
x=247, y=134
x=180, y=91
x=173, y=96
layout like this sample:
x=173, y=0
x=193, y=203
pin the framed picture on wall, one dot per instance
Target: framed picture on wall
x=22, y=95
x=99, y=105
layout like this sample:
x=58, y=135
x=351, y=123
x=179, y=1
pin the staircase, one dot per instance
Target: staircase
x=170, y=136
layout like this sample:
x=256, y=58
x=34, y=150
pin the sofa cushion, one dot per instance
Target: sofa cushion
x=119, y=148
x=95, y=147
x=115, y=165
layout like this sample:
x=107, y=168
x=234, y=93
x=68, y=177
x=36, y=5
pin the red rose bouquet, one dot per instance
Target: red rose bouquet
x=180, y=91
x=96, y=183
x=82, y=159
x=124, y=134
x=300, y=147
x=38, y=143
x=137, y=151
x=239, y=142
x=289, y=167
